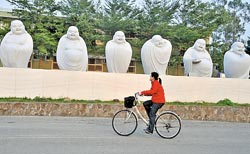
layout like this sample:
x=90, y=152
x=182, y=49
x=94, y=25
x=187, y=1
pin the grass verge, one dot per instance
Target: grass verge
x=225, y=102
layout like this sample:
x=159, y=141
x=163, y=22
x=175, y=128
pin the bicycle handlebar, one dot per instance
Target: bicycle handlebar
x=136, y=94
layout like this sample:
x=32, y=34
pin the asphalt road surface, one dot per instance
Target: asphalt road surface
x=83, y=135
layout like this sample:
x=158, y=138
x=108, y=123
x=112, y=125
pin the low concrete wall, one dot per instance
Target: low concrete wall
x=30, y=83
x=231, y=114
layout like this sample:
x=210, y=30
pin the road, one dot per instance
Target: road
x=84, y=135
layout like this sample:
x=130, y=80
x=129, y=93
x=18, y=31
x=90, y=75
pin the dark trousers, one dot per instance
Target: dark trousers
x=151, y=109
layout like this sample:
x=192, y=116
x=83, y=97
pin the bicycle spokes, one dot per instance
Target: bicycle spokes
x=124, y=122
x=168, y=125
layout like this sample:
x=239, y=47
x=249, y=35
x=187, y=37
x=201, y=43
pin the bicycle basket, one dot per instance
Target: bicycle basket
x=129, y=101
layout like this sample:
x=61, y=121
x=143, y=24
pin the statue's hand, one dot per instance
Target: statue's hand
x=196, y=61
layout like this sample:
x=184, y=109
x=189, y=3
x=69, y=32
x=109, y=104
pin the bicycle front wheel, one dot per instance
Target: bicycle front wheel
x=124, y=122
x=168, y=125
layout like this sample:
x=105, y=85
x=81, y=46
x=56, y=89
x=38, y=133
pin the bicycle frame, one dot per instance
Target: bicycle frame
x=137, y=112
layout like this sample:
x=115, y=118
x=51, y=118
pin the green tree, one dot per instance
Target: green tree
x=199, y=19
x=248, y=46
x=83, y=15
x=119, y=15
x=235, y=15
x=238, y=14
x=217, y=54
x=3, y=32
x=157, y=17
x=194, y=19
x=39, y=17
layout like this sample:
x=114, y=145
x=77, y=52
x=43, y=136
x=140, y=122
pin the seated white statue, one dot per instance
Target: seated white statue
x=71, y=51
x=237, y=62
x=197, y=60
x=155, y=55
x=16, y=46
x=118, y=53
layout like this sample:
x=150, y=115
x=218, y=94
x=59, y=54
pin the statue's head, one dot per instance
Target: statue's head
x=200, y=45
x=238, y=47
x=73, y=33
x=17, y=27
x=157, y=40
x=119, y=37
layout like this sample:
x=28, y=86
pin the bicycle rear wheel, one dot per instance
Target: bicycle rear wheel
x=124, y=122
x=168, y=125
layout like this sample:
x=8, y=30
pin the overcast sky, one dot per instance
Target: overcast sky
x=5, y=4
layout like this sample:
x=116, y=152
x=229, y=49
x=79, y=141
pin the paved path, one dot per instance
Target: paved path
x=75, y=135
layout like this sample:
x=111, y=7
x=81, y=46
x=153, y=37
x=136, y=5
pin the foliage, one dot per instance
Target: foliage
x=183, y=37
x=136, y=44
x=41, y=22
x=195, y=20
x=3, y=31
x=248, y=46
x=175, y=60
x=225, y=102
x=181, y=21
x=237, y=15
x=119, y=15
x=217, y=52
x=156, y=16
x=50, y=100
x=82, y=14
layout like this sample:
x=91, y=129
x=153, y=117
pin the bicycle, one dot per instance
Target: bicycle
x=125, y=122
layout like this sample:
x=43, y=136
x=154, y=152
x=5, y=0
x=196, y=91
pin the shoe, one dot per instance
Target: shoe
x=148, y=131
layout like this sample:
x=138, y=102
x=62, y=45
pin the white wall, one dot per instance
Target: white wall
x=108, y=86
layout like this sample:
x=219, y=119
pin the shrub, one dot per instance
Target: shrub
x=225, y=102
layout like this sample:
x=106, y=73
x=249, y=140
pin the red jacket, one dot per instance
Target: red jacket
x=156, y=91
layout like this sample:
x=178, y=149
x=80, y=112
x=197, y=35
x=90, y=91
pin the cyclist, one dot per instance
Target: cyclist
x=156, y=102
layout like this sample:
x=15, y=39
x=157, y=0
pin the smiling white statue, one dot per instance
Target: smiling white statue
x=197, y=60
x=155, y=55
x=72, y=51
x=16, y=46
x=118, y=53
x=237, y=62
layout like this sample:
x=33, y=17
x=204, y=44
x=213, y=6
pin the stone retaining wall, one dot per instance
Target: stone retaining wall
x=210, y=113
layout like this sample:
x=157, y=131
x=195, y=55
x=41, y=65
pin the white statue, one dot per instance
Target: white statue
x=155, y=55
x=16, y=46
x=118, y=53
x=237, y=62
x=71, y=51
x=197, y=60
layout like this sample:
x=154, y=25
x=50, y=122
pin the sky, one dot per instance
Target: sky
x=5, y=4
